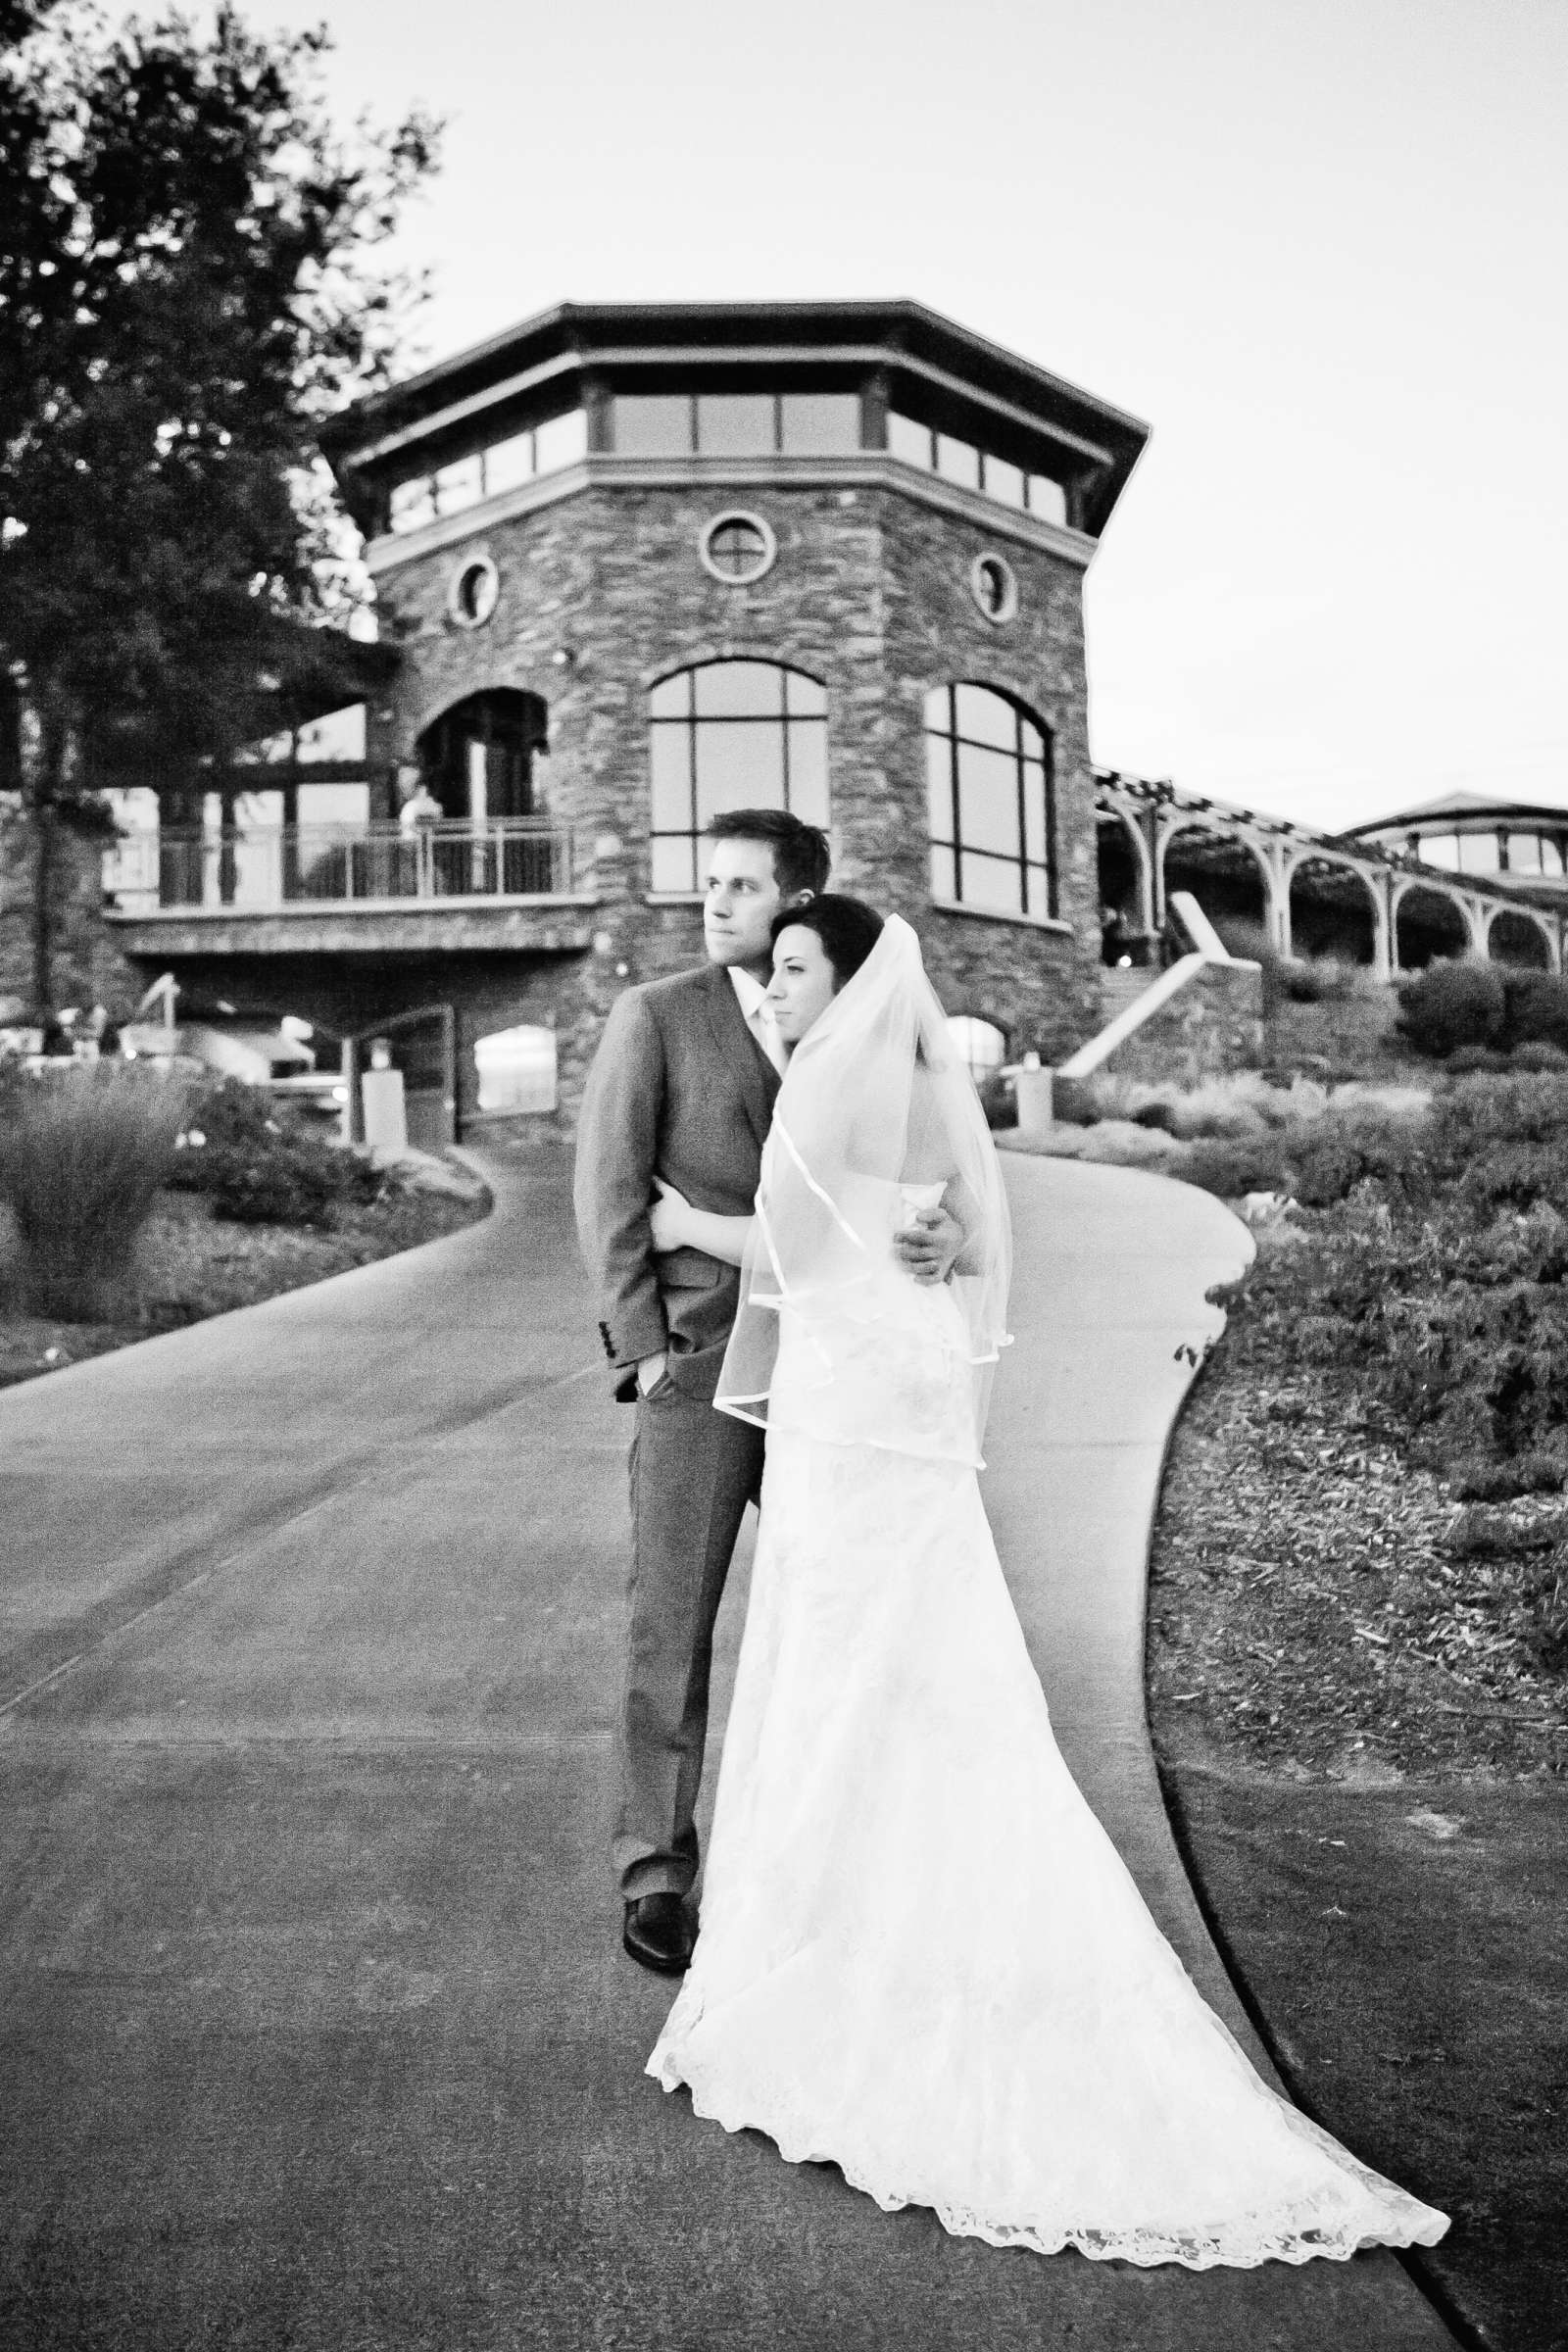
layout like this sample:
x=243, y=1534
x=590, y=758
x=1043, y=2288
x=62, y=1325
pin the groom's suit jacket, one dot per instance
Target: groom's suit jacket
x=680, y=1089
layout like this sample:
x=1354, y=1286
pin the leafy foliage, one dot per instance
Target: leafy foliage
x=261, y=1169
x=1436, y=1269
x=192, y=276
x=1452, y=1005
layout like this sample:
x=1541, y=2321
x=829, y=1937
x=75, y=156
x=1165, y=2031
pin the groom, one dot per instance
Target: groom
x=682, y=1088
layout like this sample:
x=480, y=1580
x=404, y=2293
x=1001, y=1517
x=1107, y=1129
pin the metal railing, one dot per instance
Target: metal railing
x=260, y=870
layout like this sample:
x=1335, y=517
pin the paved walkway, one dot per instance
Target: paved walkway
x=314, y=2026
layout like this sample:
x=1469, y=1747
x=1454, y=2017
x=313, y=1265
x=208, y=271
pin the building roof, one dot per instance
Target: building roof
x=1456, y=807
x=933, y=366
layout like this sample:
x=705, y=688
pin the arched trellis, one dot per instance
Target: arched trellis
x=1140, y=914
x=1179, y=824
x=1419, y=936
x=1458, y=913
x=1536, y=946
x=1298, y=867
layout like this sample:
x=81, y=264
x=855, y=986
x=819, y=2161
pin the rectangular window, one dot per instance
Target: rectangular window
x=670, y=764
x=1440, y=849
x=508, y=464
x=675, y=862
x=992, y=882
x=562, y=441
x=460, y=485
x=740, y=766
x=807, y=757
x=910, y=441
x=820, y=424
x=989, y=788
x=735, y=424
x=1551, y=855
x=959, y=460
x=1004, y=482
x=944, y=881
x=413, y=504
x=1048, y=500
x=1522, y=853
x=653, y=425
x=938, y=786
x=1033, y=813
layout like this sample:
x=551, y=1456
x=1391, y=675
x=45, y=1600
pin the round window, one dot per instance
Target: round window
x=474, y=593
x=994, y=587
x=737, y=549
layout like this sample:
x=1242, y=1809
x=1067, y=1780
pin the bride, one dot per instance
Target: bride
x=922, y=1958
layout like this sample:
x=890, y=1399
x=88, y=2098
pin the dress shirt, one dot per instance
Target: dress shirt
x=752, y=997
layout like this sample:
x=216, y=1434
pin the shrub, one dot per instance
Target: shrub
x=83, y=1154
x=1466, y=1061
x=1536, y=1009
x=1452, y=1005
x=261, y=1169
x=1476, y=1479
x=1238, y=1165
x=1536, y=1055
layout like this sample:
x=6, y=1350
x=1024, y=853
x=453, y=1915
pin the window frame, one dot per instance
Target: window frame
x=953, y=843
x=753, y=522
x=690, y=719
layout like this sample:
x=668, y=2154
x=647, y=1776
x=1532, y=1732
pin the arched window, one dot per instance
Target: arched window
x=991, y=803
x=477, y=758
x=979, y=1042
x=731, y=735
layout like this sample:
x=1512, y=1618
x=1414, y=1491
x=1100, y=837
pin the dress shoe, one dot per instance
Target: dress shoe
x=659, y=1933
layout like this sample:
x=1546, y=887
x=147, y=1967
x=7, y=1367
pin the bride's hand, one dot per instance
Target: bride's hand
x=666, y=1216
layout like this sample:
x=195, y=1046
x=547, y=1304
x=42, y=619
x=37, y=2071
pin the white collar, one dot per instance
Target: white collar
x=749, y=991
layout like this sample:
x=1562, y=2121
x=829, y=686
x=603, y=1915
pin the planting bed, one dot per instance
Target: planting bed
x=1357, y=1673
x=192, y=1263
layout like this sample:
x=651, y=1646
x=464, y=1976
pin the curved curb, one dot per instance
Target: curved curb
x=1111, y=1271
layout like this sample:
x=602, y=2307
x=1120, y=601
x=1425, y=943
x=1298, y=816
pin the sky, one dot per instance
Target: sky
x=1318, y=246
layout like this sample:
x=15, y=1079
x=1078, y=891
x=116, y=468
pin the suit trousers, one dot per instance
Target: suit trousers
x=693, y=1472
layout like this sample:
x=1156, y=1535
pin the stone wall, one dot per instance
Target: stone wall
x=1211, y=1026
x=603, y=594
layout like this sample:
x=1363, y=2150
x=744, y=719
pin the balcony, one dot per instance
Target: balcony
x=323, y=888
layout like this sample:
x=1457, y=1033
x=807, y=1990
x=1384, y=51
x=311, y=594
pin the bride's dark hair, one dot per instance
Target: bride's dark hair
x=847, y=928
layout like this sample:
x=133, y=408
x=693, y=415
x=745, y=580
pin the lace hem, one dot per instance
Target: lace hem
x=1243, y=2245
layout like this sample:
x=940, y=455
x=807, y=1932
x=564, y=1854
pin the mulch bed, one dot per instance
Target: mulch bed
x=192, y=1264
x=1367, y=1763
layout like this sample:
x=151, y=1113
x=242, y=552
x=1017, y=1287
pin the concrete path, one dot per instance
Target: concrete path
x=314, y=2026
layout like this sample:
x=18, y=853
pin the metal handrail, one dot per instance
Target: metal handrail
x=261, y=869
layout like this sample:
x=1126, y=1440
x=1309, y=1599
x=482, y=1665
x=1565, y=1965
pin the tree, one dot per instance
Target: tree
x=193, y=272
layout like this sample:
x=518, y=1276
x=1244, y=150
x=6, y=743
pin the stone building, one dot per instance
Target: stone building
x=643, y=564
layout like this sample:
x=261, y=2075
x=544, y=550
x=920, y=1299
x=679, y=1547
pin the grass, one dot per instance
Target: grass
x=82, y=1156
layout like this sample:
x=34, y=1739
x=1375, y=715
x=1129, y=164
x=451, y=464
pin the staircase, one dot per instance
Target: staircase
x=1120, y=987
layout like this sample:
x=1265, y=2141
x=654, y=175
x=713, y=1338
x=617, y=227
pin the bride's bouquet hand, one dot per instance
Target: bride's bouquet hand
x=667, y=1217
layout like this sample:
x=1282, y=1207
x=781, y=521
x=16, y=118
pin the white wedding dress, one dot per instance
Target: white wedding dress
x=920, y=1957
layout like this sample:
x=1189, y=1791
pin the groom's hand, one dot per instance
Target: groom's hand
x=928, y=1247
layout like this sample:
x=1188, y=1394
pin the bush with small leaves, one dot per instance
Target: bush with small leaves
x=259, y=1168
x=1452, y=1005
x=1536, y=1009
x=1537, y=1055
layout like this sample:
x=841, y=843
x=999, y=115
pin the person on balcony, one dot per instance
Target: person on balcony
x=418, y=813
